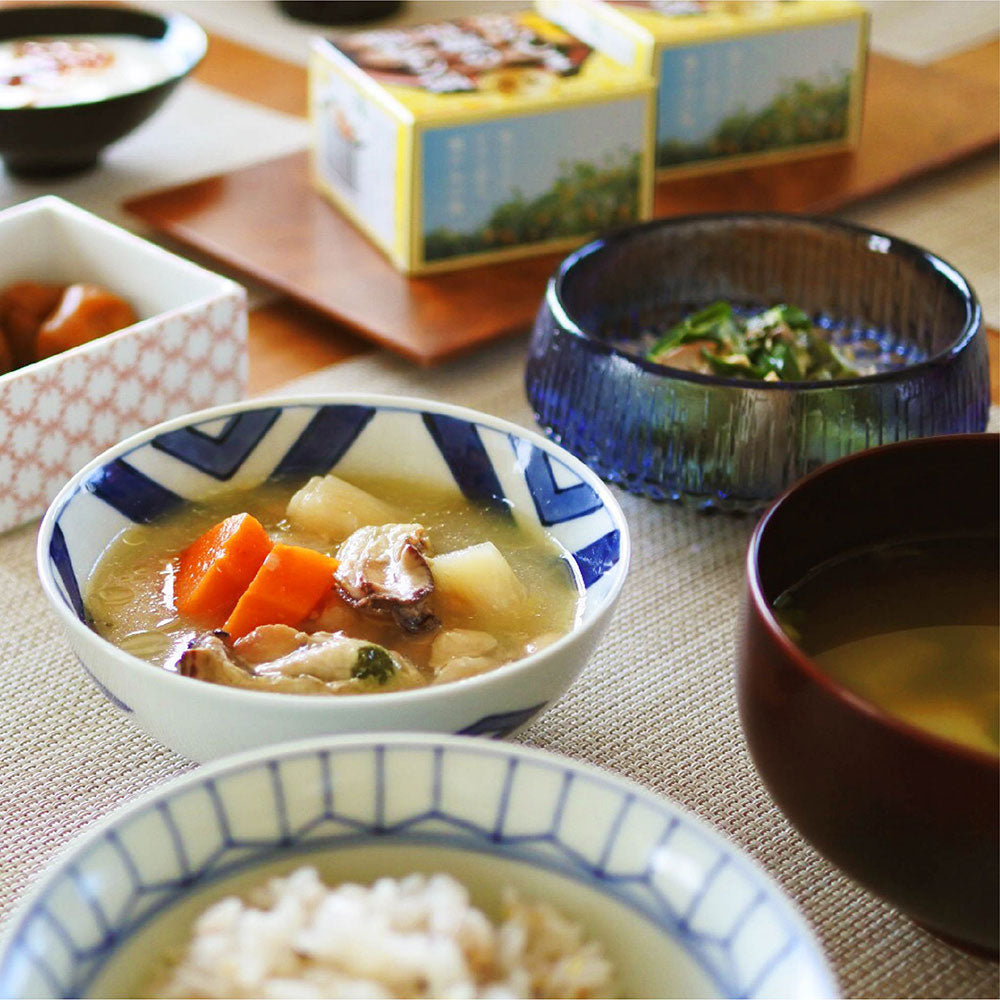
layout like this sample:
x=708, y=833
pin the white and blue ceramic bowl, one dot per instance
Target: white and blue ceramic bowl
x=246, y=444
x=680, y=911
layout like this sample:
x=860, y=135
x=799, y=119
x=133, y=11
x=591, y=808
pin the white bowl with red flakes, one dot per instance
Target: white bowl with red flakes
x=186, y=351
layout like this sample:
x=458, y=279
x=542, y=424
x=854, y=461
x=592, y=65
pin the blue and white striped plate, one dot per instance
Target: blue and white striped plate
x=680, y=911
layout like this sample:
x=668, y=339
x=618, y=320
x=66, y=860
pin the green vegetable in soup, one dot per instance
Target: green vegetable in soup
x=374, y=663
x=779, y=344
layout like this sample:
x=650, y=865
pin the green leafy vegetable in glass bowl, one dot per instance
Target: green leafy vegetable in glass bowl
x=779, y=344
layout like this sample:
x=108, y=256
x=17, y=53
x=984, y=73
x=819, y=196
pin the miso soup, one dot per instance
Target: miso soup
x=912, y=626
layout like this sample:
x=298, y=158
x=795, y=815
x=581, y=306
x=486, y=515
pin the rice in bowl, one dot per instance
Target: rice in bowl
x=416, y=936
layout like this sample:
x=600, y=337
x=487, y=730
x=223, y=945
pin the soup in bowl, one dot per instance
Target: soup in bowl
x=326, y=588
x=273, y=569
x=868, y=668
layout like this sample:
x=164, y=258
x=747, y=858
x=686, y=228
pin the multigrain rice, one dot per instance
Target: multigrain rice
x=418, y=936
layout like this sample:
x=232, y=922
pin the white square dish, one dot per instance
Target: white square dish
x=187, y=351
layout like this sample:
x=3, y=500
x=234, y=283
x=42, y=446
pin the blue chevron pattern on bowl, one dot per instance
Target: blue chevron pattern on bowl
x=681, y=911
x=514, y=471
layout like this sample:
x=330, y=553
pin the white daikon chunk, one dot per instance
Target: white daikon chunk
x=463, y=666
x=333, y=509
x=478, y=583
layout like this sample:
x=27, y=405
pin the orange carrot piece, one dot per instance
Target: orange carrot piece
x=215, y=569
x=289, y=584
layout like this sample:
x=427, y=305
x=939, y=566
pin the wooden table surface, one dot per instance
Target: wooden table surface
x=287, y=340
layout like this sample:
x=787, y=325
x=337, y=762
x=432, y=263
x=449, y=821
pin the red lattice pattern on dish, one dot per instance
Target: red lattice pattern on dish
x=57, y=415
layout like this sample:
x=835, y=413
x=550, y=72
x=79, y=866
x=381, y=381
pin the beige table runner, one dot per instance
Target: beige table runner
x=656, y=704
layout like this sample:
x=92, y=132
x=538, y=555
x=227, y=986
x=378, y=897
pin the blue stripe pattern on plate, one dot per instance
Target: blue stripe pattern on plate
x=219, y=455
x=324, y=441
x=204, y=814
x=501, y=724
x=559, y=496
x=131, y=493
x=462, y=449
x=59, y=554
x=110, y=695
x=554, y=503
x=598, y=557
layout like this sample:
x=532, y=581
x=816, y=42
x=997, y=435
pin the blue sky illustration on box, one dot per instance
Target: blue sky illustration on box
x=702, y=84
x=470, y=169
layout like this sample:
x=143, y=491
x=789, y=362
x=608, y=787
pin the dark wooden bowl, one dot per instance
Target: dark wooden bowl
x=62, y=139
x=912, y=817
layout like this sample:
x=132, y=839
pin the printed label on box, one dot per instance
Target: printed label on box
x=584, y=22
x=491, y=62
x=756, y=93
x=482, y=138
x=483, y=192
x=357, y=152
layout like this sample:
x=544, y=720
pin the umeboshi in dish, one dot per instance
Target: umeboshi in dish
x=85, y=312
x=38, y=319
x=24, y=306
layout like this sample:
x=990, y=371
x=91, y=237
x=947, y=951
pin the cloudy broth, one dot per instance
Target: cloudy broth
x=130, y=598
x=911, y=626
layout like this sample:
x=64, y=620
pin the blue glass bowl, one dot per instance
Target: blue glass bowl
x=716, y=442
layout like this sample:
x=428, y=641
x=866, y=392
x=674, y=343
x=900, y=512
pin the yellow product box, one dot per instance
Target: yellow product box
x=478, y=139
x=738, y=81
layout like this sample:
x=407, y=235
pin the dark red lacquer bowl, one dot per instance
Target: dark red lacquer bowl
x=912, y=817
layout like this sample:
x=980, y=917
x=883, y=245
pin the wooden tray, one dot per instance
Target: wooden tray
x=266, y=222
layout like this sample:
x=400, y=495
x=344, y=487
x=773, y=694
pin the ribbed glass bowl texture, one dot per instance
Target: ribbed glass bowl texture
x=731, y=444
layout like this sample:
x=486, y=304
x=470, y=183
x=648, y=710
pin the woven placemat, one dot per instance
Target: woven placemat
x=656, y=704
